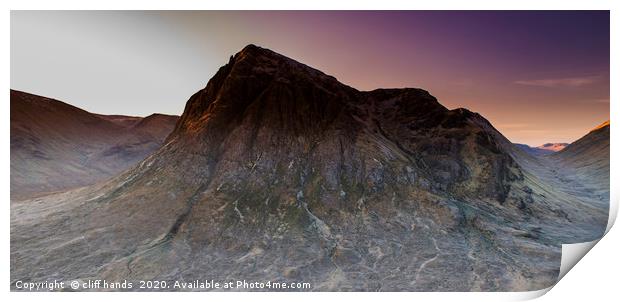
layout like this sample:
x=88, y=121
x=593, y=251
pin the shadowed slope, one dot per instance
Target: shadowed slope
x=588, y=157
x=55, y=146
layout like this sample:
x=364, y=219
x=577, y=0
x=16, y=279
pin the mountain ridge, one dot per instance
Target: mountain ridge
x=56, y=146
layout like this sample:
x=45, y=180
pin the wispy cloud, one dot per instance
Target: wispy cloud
x=560, y=82
x=604, y=101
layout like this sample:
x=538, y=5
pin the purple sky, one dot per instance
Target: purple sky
x=537, y=76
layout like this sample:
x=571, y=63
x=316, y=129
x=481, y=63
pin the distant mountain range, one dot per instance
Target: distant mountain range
x=277, y=171
x=545, y=149
x=56, y=146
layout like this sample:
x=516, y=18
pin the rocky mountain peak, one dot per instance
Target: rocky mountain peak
x=258, y=60
x=265, y=105
x=259, y=79
x=296, y=97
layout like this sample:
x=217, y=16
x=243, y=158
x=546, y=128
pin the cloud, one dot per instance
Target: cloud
x=604, y=101
x=559, y=82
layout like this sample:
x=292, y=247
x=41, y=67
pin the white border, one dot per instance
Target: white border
x=595, y=278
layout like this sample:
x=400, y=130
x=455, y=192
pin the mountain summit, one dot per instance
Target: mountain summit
x=277, y=171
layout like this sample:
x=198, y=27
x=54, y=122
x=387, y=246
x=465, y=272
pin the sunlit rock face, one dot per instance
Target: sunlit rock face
x=276, y=171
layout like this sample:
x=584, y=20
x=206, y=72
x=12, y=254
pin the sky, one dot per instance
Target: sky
x=537, y=76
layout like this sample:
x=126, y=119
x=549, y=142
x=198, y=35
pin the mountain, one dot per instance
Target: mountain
x=545, y=149
x=121, y=120
x=590, y=150
x=588, y=160
x=553, y=147
x=56, y=146
x=277, y=171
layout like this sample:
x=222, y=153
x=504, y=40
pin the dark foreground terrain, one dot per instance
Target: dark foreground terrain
x=278, y=172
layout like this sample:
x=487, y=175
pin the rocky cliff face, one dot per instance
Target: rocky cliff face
x=276, y=171
x=55, y=146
